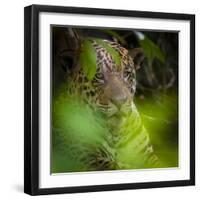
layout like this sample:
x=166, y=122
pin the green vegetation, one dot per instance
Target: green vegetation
x=88, y=57
x=75, y=128
x=75, y=124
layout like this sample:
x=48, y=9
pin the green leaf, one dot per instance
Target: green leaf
x=88, y=59
x=115, y=55
x=152, y=50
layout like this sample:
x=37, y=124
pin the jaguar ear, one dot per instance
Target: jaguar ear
x=138, y=56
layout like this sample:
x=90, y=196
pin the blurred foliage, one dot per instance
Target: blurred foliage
x=115, y=55
x=160, y=117
x=151, y=50
x=88, y=57
x=156, y=95
x=75, y=129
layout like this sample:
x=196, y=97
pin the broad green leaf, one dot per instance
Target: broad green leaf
x=88, y=59
x=152, y=50
x=115, y=55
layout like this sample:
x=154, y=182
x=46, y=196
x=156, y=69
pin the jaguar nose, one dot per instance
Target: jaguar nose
x=119, y=101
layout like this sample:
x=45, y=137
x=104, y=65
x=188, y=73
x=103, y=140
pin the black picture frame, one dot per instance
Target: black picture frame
x=31, y=98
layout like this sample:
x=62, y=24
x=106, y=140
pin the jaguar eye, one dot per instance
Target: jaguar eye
x=100, y=77
x=126, y=74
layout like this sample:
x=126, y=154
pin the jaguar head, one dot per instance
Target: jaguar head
x=112, y=89
x=115, y=85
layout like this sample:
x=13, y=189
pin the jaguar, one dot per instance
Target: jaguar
x=111, y=92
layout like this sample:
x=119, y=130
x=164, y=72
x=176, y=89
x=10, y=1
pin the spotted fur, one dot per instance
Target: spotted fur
x=126, y=133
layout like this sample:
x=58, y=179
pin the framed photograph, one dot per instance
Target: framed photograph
x=109, y=100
